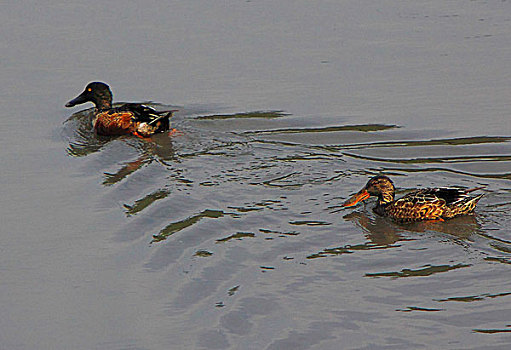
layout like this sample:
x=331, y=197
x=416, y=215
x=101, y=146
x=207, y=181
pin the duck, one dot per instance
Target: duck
x=127, y=119
x=422, y=204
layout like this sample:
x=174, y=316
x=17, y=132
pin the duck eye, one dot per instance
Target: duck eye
x=89, y=89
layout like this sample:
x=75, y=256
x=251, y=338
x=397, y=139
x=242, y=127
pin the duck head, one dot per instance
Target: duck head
x=380, y=186
x=95, y=92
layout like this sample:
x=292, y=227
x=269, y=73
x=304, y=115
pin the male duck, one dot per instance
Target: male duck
x=130, y=118
x=426, y=204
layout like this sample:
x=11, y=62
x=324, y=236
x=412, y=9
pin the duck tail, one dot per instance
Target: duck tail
x=164, y=119
x=468, y=205
x=475, y=189
x=476, y=199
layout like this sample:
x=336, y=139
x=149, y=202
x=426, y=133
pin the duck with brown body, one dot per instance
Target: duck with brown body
x=130, y=118
x=425, y=204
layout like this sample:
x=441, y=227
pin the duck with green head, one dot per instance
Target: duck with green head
x=130, y=118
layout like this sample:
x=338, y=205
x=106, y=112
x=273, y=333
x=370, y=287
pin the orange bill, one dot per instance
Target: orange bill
x=360, y=196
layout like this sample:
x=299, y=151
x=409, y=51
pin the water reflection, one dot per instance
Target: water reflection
x=383, y=233
x=84, y=141
x=489, y=176
x=492, y=331
x=446, y=159
x=378, y=230
x=255, y=114
x=426, y=270
x=471, y=298
x=382, y=230
x=79, y=129
x=220, y=162
x=380, y=233
x=417, y=308
x=146, y=201
x=359, y=128
x=458, y=141
x=158, y=148
x=177, y=226
x=461, y=227
x=237, y=235
x=348, y=249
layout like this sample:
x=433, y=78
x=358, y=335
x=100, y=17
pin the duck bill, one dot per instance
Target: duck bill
x=82, y=98
x=359, y=197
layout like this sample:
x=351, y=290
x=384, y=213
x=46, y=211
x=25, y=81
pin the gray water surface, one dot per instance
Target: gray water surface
x=230, y=234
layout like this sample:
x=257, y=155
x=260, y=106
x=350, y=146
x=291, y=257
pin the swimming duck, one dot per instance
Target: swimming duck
x=425, y=204
x=130, y=118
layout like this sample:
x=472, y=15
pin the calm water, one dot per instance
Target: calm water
x=229, y=235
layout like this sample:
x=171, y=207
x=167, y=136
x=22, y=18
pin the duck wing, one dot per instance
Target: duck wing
x=434, y=203
x=417, y=205
x=143, y=113
x=459, y=201
x=452, y=195
x=148, y=119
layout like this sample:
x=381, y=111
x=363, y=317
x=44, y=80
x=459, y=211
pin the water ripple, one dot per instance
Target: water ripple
x=426, y=270
x=177, y=226
x=361, y=128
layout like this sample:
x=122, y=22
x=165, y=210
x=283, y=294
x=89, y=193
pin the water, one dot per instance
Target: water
x=229, y=235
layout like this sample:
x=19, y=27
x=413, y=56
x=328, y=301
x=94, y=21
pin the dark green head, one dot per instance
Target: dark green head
x=95, y=92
